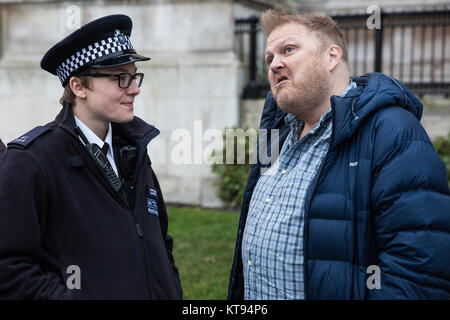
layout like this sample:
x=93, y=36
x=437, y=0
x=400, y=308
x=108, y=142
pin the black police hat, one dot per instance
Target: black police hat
x=102, y=43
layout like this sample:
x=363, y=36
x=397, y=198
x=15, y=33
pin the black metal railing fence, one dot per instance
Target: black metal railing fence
x=413, y=47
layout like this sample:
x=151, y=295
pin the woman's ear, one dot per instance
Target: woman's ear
x=77, y=88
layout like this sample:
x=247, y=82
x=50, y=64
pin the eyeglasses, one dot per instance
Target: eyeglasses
x=123, y=79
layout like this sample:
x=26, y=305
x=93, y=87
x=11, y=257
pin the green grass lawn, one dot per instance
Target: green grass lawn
x=203, y=249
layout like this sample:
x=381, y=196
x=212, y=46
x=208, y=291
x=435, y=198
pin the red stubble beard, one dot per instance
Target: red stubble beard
x=299, y=96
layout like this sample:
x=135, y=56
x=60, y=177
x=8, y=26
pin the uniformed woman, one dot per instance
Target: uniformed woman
x=81, y=211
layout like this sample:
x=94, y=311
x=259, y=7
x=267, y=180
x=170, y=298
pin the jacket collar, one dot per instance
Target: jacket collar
x=374, y=92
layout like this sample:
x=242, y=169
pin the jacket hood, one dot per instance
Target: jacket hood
x=374, y=91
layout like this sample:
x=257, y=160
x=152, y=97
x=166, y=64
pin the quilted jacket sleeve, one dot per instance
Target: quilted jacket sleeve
x=411, y=207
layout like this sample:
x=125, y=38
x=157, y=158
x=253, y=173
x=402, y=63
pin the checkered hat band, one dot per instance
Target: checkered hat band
x=91, y=53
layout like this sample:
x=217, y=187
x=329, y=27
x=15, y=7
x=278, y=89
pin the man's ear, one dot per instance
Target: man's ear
x=77, y=88
x=334, y=57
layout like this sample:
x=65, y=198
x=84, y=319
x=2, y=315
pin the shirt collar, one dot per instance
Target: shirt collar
x=351, y=86
x=91, y=136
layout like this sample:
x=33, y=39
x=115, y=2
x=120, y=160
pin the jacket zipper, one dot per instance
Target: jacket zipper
x=133, y=211
x=305, y=242
x=140, y=233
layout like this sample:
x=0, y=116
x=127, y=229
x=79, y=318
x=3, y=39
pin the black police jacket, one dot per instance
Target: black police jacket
x=65, y=233
x=2, y=147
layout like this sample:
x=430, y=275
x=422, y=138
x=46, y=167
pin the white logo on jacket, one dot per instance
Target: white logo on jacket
x=74, y=280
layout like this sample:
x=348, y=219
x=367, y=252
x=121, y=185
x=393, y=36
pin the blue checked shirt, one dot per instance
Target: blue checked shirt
x=272, y=248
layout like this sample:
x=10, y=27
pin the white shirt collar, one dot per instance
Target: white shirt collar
x=91, y=136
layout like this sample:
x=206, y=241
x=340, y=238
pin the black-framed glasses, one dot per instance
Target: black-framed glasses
x=123, y=79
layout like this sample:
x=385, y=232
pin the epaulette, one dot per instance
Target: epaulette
x=25, y=140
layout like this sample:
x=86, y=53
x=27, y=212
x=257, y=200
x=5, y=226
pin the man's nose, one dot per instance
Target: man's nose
x=276, y=64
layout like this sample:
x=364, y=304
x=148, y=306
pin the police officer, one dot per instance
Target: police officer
x=82, y=215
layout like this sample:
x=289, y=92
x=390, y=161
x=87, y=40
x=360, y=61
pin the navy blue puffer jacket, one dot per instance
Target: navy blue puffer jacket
x=381, y=198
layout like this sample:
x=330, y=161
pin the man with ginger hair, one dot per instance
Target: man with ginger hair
x=356, y=206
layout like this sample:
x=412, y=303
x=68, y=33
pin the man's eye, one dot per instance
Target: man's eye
x=269, y=60
x=289, y=49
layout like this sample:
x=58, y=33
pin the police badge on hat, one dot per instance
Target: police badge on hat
x=120, y=37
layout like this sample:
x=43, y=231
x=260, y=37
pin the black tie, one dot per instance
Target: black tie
x=105, y=148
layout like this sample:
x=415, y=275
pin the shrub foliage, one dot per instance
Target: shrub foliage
x=232, y=177
x=442, y=146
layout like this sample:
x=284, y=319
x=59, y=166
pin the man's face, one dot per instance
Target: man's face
x=297, y=74
x=106, y=101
